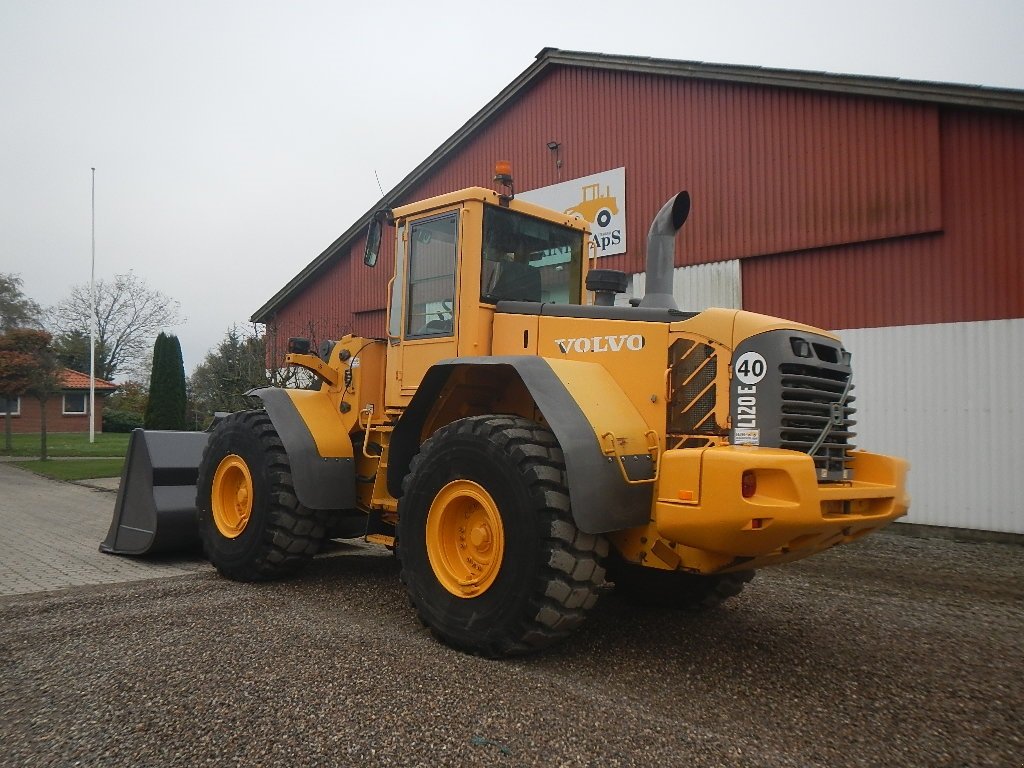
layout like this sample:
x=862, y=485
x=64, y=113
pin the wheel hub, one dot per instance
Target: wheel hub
x=231, y=496
x=465, y=538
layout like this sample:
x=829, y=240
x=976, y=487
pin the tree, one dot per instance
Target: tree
x=44, y=382
x=166, y=406
x=72, y=349
x=27, y=366
x=237, y=365
x=125, y=410
x=128, y=315
x=15, y=372
x=16, y=309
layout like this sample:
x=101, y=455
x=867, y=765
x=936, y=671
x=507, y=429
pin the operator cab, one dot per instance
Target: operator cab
x=456, y=257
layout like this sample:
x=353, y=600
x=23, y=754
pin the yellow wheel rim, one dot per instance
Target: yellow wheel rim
x=231, y=496
x=465, y=538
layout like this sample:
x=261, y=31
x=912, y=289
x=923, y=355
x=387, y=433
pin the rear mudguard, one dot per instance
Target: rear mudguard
x=319, y=448
x=603, y=437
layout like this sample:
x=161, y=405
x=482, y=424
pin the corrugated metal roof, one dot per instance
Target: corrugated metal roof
x=878, y=87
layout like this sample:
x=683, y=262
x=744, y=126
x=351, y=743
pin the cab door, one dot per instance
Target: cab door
x=429, y=311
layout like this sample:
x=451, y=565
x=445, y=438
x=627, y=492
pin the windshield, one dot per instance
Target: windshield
x=528, y=259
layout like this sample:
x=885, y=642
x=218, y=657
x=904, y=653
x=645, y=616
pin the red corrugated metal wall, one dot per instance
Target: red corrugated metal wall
x=971, y=270
x=847, y=211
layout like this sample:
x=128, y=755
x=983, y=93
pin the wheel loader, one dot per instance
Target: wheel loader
x=523, y=441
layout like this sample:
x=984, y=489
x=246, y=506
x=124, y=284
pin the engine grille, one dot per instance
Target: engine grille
x=693, y=367
x=811, y=398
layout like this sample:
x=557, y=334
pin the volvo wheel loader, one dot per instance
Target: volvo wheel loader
x=522, y=441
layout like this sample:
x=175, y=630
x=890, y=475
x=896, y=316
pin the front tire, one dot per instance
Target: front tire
x=490, y=556
x=250, y=521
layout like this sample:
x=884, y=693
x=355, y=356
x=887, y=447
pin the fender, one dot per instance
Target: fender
x=318, y=447
x=581, y=402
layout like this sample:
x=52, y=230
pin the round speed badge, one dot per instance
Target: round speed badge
x=751, y=367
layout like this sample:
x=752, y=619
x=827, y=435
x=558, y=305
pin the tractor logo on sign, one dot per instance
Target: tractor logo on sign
x=595, y=207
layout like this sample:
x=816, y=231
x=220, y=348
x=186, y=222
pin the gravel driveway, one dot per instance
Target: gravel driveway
x=889, y=652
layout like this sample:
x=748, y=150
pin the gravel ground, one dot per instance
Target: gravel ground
x=889, y=652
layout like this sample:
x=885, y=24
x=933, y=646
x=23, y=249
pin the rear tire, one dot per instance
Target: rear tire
x=490, y=556
x=250, y=521
x=654, y=587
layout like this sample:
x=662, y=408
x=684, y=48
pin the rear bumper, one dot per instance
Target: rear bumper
x=699, y=503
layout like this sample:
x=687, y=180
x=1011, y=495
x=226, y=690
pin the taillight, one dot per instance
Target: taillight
x=748, y=485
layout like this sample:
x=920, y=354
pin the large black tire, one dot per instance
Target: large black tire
x=275, y=535
x=675, y=589
x=506, y=476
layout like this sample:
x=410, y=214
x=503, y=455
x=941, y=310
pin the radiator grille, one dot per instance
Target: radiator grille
x=811, y=402
x=693, y=367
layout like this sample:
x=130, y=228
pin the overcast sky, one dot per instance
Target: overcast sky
x=234, y=141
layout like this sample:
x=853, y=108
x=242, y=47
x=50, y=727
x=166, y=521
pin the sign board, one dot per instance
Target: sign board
x=599, y=198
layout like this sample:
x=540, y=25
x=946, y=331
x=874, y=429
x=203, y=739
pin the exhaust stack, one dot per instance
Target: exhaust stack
x=661, y=251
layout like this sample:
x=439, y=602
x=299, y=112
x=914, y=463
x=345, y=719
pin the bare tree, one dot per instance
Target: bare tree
x=129, y=315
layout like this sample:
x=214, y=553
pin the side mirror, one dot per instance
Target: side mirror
x=373, y=235
x=372, y=242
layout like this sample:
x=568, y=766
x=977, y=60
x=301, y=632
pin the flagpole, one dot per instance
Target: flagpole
x=92, y=321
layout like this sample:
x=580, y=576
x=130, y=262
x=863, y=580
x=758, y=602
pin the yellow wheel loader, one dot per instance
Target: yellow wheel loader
x=522, y=441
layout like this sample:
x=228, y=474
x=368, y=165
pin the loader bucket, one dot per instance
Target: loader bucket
x=155, y=509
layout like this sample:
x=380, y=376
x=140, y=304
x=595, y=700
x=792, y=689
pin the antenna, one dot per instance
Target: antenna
x=379, y=185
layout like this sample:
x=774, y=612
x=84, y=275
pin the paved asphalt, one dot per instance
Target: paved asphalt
x=892, y=651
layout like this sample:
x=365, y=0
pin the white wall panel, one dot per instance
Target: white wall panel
x=949, y=398
x=698, y=287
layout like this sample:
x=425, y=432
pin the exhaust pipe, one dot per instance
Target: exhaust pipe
x=661, y=252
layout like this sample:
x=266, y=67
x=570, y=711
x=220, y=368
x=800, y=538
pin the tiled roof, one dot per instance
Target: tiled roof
x=74, y=380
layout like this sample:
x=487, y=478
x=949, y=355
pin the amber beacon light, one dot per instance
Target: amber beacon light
x=503, y=175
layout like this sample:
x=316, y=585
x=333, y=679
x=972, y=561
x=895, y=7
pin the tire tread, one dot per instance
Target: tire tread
x=572, y=573
x=293, y=533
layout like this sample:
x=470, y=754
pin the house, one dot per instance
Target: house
x=66, y=411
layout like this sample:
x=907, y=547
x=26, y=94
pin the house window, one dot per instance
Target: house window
x=74, y=403
x=12, y=406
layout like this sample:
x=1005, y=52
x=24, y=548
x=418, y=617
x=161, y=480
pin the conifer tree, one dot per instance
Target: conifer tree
x=166, y=407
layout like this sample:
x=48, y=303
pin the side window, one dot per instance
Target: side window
x=398, y=287
x=433, y=248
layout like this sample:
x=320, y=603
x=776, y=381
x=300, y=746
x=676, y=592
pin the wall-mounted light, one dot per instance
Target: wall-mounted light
x=555, y=146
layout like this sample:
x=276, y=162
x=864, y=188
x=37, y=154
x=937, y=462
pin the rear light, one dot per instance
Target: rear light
x=748, y=485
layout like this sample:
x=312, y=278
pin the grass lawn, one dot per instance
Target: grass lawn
x=67, y=444
x=74, y=470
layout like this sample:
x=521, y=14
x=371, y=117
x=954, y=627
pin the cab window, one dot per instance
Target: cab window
x=433, y=250
x=529, y=259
